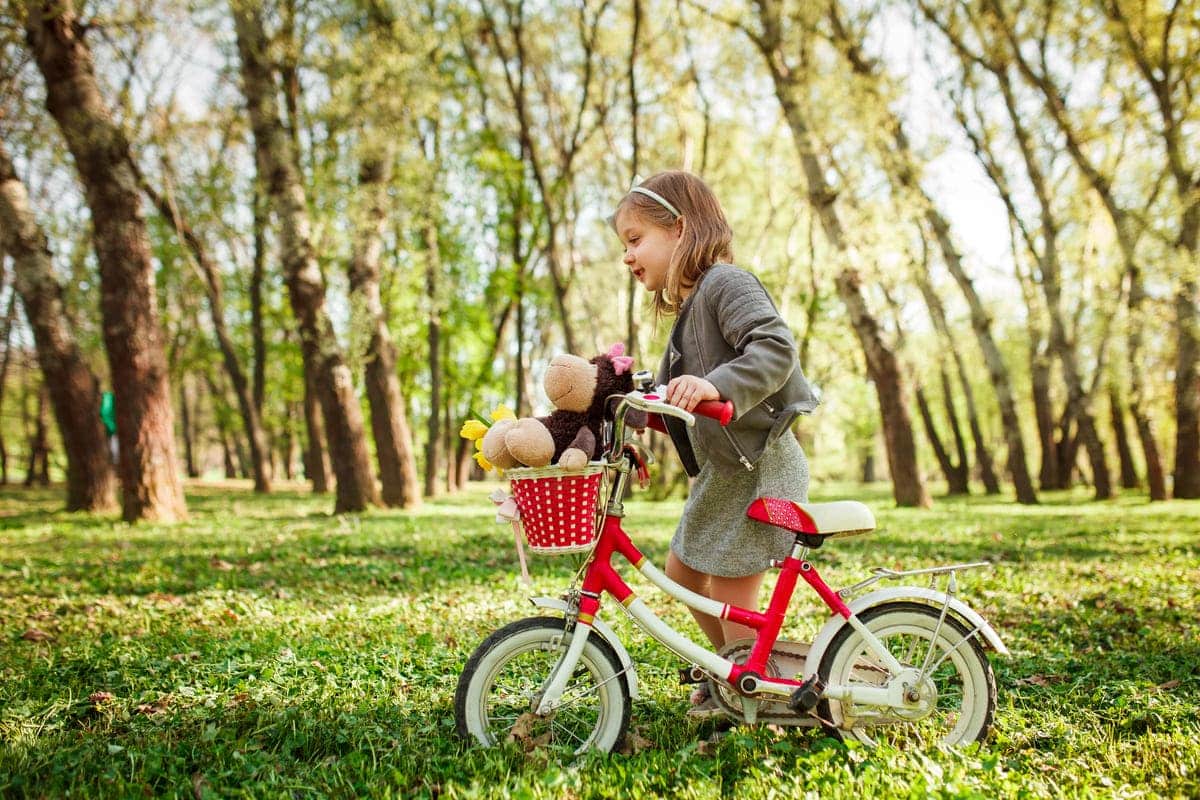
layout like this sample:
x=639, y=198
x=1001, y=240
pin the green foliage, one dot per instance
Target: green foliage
x=265, y=648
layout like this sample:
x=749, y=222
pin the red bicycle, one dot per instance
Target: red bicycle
x=903, y=664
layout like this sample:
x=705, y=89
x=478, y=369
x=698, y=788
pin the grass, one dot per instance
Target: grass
x=266, y=648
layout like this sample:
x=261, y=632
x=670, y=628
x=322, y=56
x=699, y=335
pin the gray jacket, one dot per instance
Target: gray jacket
x=730, y=333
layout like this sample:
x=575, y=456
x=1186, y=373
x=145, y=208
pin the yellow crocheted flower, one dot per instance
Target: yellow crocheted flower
x=502, y=412
x=473, y=429
x=483, y=462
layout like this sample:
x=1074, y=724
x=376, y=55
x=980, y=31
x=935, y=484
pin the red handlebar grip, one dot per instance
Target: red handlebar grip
x=720, y=410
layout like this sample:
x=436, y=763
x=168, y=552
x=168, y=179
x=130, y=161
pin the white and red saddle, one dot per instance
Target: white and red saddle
x=827, y=520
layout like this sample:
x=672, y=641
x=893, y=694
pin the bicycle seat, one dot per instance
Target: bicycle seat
x=823, y=520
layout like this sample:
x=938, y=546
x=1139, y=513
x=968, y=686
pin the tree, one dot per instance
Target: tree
x=145, y=421
x=903, y=169
x=276, y=161
x=882, y=364
x=74, y=390
x=211, y=276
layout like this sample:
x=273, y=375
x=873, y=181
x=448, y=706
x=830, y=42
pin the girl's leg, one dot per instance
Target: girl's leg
x=742, y=592
x=698, y=582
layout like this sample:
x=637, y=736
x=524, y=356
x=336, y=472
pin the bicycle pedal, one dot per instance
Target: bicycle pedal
x=806, y=697
x=692, y=674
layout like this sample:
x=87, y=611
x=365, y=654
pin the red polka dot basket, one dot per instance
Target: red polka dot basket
x=558, y=507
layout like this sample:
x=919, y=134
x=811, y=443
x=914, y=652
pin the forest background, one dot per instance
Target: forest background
x=305, y=241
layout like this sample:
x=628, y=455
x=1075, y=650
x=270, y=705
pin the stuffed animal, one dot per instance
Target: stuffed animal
x=570, y=436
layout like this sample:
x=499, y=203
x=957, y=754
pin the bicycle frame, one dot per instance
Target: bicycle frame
x=748, y=678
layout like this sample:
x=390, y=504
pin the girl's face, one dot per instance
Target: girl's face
x=648, y=248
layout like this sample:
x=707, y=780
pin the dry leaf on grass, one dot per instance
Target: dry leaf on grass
x=220, y=564
x=37, y=635
x=1169, y=684
x=192, y=656
x=522, y=729
x=157, y=707
x=635, y=743
x=1040, y=680
x=98, y=698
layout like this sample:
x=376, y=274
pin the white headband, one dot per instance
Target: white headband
x=662, y=201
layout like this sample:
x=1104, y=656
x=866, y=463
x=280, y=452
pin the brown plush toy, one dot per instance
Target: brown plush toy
x=570, y=436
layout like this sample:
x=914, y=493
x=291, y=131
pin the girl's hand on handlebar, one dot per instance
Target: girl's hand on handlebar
x=688, y=391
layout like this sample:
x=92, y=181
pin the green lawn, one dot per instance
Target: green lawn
x=267, y=649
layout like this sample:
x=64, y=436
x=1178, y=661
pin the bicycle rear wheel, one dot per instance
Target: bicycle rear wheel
x=504, y=679
x=957, y=699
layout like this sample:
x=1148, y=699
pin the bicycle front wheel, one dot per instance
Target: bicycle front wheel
x=957, y=698
x=504, y=680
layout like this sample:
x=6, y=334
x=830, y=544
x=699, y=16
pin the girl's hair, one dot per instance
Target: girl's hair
x=706, y=238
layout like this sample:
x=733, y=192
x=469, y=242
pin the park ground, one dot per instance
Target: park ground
x=266, y=648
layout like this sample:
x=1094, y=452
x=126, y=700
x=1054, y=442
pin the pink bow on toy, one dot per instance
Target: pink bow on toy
x=621, y=362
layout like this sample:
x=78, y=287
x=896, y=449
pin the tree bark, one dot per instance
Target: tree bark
x=1039, y=375
x=389, y=422
x=1129, y=476
x=956, y=474
x=306, y=287
x=9, y=316
x=316, y=460
x=963, y=471
x=433, y=269
x=188, y=431
x=74, y=390
x=37, y=469
x=257, y=277
x=227, y=452
x=145, y=421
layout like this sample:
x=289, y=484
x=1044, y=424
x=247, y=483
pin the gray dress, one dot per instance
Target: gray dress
x=715, y=535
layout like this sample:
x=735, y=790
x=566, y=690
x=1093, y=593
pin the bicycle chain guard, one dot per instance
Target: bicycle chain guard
x=786, y=661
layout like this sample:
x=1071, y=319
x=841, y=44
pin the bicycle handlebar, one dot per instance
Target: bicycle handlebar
x=655, y=404
x=720, y=410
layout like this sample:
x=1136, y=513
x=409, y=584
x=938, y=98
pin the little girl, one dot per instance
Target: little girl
x=728, y=342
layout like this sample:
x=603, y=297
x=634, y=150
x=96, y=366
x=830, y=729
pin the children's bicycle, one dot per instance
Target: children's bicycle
x=904, y=664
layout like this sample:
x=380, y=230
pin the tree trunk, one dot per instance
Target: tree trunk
x=257, y=277
x=463, y=460
x=37, y=469
x=907, y=485
x=185, y=423
x=74, y=390
x=956, y=475
x=145, y=420
x=1078, y=401
x=288, y=443
x=903, y=172
x=9, y=316
x=868, y=465
x=306, y=287
x=962, y=472
x=1155, y=475
x=433, y=448
x=227, y=451
x=316, y=462
x=251, y=421
x=1187, y=385
x=881, y=361
x=389, y=422
x=1129, y=476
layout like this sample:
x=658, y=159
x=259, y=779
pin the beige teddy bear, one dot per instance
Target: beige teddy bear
x=570, y=436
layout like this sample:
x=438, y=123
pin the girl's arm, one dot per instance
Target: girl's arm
x=765, y=351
